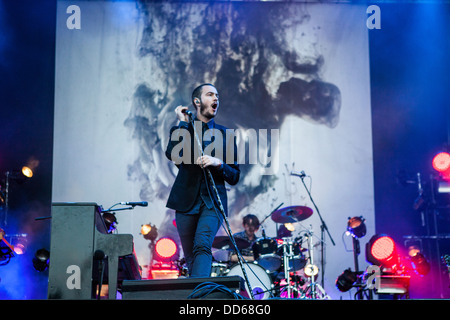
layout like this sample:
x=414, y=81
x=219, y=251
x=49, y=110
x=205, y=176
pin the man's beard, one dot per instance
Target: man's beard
x=203, y=112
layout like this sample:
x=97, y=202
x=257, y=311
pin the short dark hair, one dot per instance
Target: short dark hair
x=197, y=93
x=251, y=219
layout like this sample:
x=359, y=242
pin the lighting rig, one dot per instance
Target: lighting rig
x=432, y=204
x=393, y=266
x=19, y=176
x=389, y=272
x=356, y=228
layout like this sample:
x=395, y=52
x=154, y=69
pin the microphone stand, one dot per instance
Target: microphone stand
x=261, y=223
x=323, y=228
x=222, y=211
x=120, y=209
x=131, y=207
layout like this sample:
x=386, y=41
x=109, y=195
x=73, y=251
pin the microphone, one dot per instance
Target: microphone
x=263, y=232
x=186, y=111
x=141, y=204
x=300, y=174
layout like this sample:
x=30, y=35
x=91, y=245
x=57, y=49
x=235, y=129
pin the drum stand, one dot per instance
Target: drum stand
x=288, y=254
x=315, y=289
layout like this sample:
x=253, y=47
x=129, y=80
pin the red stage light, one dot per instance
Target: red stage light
x=165, y=248
x=383, y=248
x=441, y=162
x=381, y=251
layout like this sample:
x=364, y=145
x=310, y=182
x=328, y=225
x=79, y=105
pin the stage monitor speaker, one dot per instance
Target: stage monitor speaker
x=178, y=289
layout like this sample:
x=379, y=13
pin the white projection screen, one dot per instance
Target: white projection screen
x=300, y=68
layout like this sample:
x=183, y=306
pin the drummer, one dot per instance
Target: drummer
x=251, y=225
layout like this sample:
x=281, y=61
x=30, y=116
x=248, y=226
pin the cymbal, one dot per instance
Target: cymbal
x=224, y=242
x=291, y=214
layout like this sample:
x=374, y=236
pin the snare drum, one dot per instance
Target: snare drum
x=258, y=278
x=265, y=254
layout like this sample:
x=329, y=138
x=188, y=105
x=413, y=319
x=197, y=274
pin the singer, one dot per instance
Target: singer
x=198, y=217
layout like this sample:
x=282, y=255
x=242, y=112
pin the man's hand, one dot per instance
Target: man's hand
x=206, y=161
x=180, y=115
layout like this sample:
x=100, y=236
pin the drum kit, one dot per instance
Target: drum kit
x=282, y=267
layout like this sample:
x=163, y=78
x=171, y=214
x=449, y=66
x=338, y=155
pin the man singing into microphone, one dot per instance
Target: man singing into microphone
x=198, y=216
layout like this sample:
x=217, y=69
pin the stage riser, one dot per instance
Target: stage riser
x=177, y=289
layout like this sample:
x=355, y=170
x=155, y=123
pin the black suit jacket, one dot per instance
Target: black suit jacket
x=186, y=187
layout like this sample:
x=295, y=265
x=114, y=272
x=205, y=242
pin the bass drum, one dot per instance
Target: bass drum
x=257, y=276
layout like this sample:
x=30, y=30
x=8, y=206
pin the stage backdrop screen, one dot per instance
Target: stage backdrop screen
x=293, y=75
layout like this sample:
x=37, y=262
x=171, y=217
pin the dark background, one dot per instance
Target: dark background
x=409, y=67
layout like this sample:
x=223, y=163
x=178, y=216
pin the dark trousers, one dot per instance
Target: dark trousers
x=197, y=229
